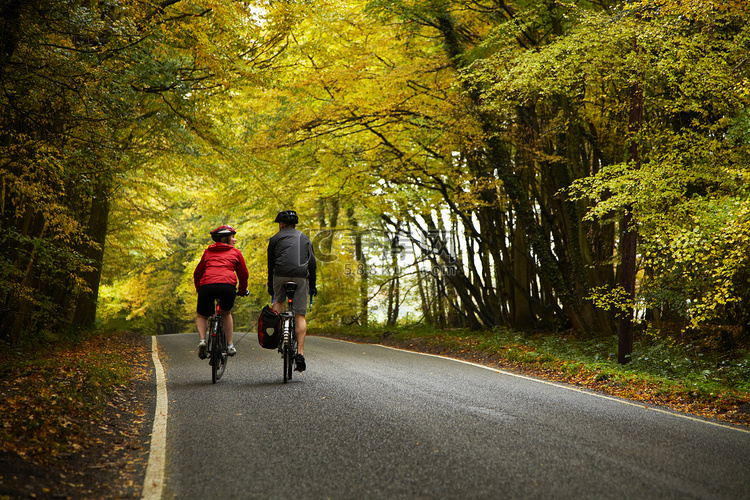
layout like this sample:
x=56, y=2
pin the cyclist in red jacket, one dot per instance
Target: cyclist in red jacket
x=216, y=277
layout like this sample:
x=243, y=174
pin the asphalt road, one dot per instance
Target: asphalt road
x=366, y=421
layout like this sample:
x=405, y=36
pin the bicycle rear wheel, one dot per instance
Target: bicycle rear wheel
x=290, y=365
x=219, y=367
x=218, y=354
x=287, y=352
x=287, y=364
x=290, y=360
x=292, y=355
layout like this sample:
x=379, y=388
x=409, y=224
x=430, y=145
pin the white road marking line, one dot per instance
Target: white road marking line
x=153, y=484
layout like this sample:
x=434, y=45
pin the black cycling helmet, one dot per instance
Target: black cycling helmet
x=287, y=217
x=222, y=231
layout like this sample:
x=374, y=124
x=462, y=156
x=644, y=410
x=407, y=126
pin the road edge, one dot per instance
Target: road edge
x=589, y=392
x=153, y=483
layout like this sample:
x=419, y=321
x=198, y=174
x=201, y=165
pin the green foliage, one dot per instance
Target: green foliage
x=496, y=138
x=85, y=96
x=611, y=299
x=688, y=192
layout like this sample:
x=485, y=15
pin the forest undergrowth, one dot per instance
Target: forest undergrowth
x=75, y=417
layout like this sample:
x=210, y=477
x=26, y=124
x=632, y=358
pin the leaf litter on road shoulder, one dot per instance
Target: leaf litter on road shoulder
x=74, y=422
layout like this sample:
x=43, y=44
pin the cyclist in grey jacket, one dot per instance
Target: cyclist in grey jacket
x=291, y=258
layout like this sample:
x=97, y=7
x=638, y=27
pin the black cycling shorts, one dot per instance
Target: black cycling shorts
x=208, y=293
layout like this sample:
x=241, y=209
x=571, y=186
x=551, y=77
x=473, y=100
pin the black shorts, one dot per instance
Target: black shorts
x=225, y=292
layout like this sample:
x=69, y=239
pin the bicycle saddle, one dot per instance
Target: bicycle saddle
x=290, y=288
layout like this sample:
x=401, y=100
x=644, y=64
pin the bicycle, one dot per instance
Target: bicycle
x=216, y=345
x=288, y=344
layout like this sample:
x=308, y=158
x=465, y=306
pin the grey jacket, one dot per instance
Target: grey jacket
x=291, y=255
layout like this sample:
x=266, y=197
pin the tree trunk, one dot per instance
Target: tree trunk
x=85, y=312
x=393, y=289
x=361, y=261
x=628, y=242
x=523, y=317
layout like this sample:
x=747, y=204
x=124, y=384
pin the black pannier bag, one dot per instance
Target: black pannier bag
x=268, y=328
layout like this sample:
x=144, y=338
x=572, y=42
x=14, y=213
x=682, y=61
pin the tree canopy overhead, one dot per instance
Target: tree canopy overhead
x=477, y=163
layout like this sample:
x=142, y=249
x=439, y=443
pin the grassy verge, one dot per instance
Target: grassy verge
x=683, y=378
x=51, y=397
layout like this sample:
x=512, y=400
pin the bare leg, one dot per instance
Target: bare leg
x=228, y=324
x=202, y=323
x=300, y=327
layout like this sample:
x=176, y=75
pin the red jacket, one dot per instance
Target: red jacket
x=221, y=263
